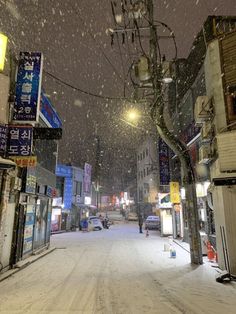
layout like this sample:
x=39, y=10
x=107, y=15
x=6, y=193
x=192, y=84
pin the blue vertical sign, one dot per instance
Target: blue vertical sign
x=3, y=140
x=164, y=163
x=28, y=87
x=68, y=193
x=20, y=141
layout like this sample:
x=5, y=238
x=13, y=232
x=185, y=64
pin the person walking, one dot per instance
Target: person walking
x=140, y=223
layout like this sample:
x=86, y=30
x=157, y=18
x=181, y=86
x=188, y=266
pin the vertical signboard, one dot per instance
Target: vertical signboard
x=174, y=192
x=28, y=87
x=20, y=141
x=164, y=162
x=3, y=48
x=87, y=178
x=30, y=184
x=3, y=140
x=68, y=193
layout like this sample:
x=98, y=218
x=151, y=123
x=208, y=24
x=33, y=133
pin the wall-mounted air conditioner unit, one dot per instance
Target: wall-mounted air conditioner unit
x=226, y=143
x=202, y=109
x=205, y=155
x=206, y=131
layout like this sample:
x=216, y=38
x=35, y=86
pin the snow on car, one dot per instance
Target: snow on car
x=94, y=223
x=152, y=222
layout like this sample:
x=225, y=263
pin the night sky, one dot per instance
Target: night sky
x=72, y=36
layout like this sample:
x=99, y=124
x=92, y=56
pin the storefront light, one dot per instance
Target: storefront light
x=87, y=200
x=183, y=193
x=3, y=48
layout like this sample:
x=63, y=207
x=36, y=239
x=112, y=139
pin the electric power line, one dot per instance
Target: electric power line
x=99, y=46
x=81, y=90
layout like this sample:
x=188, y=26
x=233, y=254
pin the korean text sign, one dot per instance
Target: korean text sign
x=87, y=178
x=3, y=139
x=28, y=87
x=20, y=140
x=174, y=192
x=164, y=163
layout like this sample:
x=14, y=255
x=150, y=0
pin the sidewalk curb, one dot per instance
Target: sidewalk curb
x=35, y=257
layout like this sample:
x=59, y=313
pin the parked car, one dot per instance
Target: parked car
x=94, y=223
x=152, y=222
x=132, y=216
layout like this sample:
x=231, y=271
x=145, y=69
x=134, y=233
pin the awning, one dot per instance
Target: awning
x=6, y=163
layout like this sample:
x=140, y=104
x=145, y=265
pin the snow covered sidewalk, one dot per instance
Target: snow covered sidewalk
x=115, y=271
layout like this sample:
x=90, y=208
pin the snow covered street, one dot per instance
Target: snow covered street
x=115, y=271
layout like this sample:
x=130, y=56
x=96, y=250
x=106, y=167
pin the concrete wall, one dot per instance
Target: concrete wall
x=224, y=200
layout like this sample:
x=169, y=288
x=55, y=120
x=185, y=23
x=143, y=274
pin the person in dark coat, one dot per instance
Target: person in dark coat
x=140, y=223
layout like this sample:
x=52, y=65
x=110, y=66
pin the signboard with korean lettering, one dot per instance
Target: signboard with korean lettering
x=48, y=113
x=28, y=87
x=29, y=161
x=20, y=140
x=87, y=178
x=30, y=184
x=174, y=192
x=3, y=140
x=164, y=165
x=68, y=193
x=63, y=171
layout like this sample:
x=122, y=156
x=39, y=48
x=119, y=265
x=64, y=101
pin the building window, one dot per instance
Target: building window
x=146, y=152
x=144, y=172
x=143, y=154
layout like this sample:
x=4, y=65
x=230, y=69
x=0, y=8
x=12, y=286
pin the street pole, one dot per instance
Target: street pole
x=157, y=114
x=97, y=170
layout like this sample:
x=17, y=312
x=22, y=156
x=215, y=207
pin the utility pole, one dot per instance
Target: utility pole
x=157, y=114
x=97, y=170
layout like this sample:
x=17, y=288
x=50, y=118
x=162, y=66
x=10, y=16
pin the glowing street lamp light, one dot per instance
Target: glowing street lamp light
x=132, y=115
x=3, y=48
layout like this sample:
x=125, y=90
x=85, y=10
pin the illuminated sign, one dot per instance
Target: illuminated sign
x=48, y=114
x=30, y=161
x=3, y=48
x=20, y=140
x=174, y=192
x=28, y=87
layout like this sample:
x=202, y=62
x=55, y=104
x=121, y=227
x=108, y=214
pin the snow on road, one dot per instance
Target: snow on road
x=115, y=271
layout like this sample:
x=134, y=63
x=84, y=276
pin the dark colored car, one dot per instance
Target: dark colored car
x=152, y=222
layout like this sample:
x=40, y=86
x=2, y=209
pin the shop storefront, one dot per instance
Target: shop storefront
x=56, y=220
x=42, y=222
